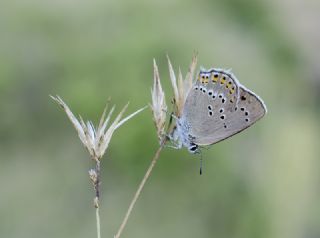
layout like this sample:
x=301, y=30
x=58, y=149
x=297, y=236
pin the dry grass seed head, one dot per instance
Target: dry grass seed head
x=96, y=141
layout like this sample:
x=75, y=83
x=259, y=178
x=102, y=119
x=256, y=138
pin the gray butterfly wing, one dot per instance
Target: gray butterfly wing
x=218, y=107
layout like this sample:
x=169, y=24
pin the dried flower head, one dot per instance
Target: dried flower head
x=182, y=88
x=93, y=175
x=96, y=140
x=158, y=106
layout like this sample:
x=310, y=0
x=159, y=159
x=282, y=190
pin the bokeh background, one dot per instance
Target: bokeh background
x=263, y=182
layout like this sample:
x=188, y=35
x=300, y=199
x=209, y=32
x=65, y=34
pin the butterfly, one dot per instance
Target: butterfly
x=216, y=107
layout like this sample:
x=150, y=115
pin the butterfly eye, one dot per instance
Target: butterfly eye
x=193, y=148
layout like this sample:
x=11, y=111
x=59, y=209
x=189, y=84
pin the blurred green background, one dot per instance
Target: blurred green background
x=263, y=182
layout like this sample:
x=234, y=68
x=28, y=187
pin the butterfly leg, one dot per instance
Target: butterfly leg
x=174, y=144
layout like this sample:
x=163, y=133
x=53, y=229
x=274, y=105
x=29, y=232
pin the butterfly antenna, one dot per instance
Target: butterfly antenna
x=204, y=147
x=200, y=163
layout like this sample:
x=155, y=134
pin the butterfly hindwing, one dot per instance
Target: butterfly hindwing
x=218, y=107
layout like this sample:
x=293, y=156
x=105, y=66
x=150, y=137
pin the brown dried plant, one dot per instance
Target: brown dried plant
x=158, y=105
x=159, y=111
x=96, y=141
x=182, y=88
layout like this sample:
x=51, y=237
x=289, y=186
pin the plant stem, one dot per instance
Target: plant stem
x=95, y=178
x=137, y=194
x=98, y=222
x=97, y=184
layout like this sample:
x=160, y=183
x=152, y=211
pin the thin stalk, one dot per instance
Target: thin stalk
x=97, y=184
x=138, y=192
x=98, y=222
x=95, y=178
